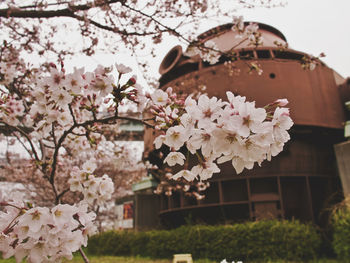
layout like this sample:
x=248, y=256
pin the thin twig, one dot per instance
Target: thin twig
x=169, y=29
x=26, y=136
x=86, y=260
x=70, y=130
x=23, y=145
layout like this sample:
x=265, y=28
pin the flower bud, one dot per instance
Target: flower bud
x=169, y=91
x=132, y=81
x=281, y=102
x=52, y=65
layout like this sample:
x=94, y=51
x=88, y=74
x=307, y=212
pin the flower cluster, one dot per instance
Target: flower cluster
x=309, y=62
x=209, y=52
x=238, y=24
x=99, y=189
x=60, y=98
x=41, y=234
x=249, y=32
x=190, y=189
x=11, y=65
x=59, y=116
x=11, y=108
x=216, y=131
x=47, y=235
x=8, y=73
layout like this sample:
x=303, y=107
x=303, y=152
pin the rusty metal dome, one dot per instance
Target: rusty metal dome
x=313, y=95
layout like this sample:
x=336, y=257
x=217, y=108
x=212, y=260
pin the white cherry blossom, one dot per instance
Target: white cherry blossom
x=205, y=170
x=122, y=69
x=61, y=97
x=174, y=158
x=202, y=139
x=175, y=137
x=225, y=141
x=75, y=81
x=90, y=166
x=207, y=111
x=35, y=218
x=210, y=53
x=281, y=123
x=188, y=175
x=159, y=97
x=159, y=141
x=63, y=214
x=220, y=131
x=238, y=24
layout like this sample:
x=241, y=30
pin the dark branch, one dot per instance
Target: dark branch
x=69, y=11
x=61, y=194
x=168, y=29
x=18, y=13
x=70, y=130
x=24, y=134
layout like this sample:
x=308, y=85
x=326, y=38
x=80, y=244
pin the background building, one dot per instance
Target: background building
x=299, y=183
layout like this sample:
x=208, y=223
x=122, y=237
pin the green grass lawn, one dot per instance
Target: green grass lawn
x=110, y=259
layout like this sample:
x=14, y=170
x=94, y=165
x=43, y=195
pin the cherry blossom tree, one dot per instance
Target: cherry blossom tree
x=121, y=164
x=60, y=117
x=110, y=26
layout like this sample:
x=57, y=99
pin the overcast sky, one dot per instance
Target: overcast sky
x=313, y=26
x=310, y=26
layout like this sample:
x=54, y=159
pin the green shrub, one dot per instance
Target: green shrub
x=138, y=242
x=341, y=231
x=262, y=241
x=111, y=243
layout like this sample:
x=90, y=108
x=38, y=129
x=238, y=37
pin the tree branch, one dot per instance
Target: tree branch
x=113, y=29
x=86, y=260
x=20, y=13
x=70, y=130
x=62, y=193
x=68, y=12
x=168, y=29
x=23, y=145
x=23, y=133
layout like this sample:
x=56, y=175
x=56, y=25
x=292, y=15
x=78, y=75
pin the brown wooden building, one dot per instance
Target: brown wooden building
x=299, y=183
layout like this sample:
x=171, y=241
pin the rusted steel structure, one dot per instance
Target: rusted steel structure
x=302, y=180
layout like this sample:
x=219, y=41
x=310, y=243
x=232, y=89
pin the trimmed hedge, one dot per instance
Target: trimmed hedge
x=341, y=232
x=262, y=241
